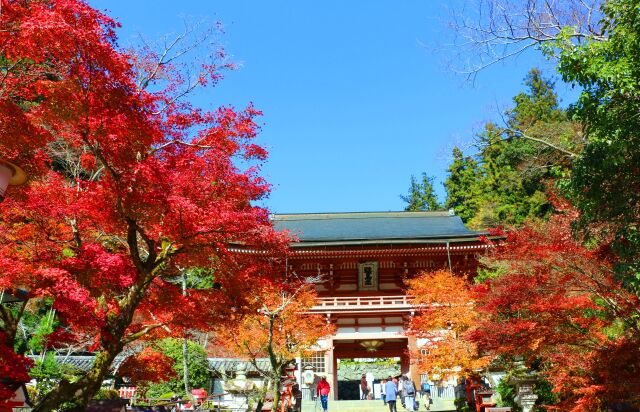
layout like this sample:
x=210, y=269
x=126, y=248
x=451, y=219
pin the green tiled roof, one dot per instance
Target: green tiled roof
x=374, y=227
x=224, y=365
x=82, y=362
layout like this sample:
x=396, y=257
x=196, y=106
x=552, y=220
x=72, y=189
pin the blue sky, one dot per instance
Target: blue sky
x=357, y=95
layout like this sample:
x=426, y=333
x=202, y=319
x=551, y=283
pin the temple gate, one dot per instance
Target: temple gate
x=366, y=258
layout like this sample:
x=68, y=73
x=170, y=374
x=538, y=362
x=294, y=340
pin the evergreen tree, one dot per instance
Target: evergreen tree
x=461, y=185
x=421, y=196
x=505, y=183
x=538, y=104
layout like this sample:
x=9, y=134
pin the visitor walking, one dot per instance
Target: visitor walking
x=323, y=392
x=390, y=391
x=401, y=393
x=364, y=387
x=426, y=394
x=383, y=391
x=409, y=394
x=297, y=396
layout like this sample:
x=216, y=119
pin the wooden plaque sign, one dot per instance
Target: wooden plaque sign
x=368, y=276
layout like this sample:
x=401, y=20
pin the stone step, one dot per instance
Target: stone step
x=439, y=405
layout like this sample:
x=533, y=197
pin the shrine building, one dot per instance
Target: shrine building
x=365, y=259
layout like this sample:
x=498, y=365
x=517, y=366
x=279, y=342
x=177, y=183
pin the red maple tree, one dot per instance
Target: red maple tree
x=557, y=302
x=13, y=369
x=148, y=365
x=129, y=185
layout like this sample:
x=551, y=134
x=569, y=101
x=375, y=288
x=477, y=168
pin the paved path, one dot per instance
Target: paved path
x=439, y=405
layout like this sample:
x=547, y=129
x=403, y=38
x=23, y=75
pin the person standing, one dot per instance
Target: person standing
x=401, y=393
x=364, y=387
x=323, y=391
x=383, y=391
x=390, y=394
x=409, y=393
x=426, y=394
x=297, y=396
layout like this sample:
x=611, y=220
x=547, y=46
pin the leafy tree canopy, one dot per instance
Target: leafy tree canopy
x=557, y=304
x=605, y=183
x=444, y=320
x=279, y=328
x=129, y=185
x=505, y=182
x=198, y=366
x=421, y=196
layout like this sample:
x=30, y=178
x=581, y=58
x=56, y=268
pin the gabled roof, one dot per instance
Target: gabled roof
x=82, y=362
x=7, y=296
x=313, y=229
x=230, y=364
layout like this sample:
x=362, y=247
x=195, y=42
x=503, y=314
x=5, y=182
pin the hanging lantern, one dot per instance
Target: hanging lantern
x=10, y=174
x=371, y=345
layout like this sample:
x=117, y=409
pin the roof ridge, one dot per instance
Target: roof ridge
x=356, y=215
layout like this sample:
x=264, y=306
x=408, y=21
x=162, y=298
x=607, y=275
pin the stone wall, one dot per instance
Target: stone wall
x=354, y=371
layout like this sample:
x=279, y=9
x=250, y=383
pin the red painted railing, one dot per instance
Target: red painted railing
x=355, y=303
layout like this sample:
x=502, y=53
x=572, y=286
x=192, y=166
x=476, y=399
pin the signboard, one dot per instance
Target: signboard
x=368, y=276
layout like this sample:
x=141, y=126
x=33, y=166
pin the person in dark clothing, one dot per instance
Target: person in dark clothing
x=297, y=397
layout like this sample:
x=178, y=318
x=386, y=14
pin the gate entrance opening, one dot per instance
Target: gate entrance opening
x=352, y=360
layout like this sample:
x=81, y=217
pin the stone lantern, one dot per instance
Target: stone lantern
x=240, y=384
x=10, y=174
x=239, y=388
x=524, y=391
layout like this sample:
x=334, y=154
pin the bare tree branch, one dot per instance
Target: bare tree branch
x=151, y=61
x=520, y=134
x=491, y=31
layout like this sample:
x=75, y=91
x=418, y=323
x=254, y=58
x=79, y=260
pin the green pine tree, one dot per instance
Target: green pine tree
x=539, y=103
x=421, y=196
x=506, y=181
x=461, y=185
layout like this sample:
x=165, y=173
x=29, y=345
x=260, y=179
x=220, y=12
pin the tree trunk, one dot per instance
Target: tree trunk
x=185, y=348
x=84, y=389
x=11, y=322
x=81, y=391
x=276, y=367
x=276, y=395
x=263, y=395
x=185, y=366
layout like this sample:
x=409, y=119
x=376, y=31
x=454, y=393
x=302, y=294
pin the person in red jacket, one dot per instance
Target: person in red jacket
x=364, y=387
x=323, y=391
